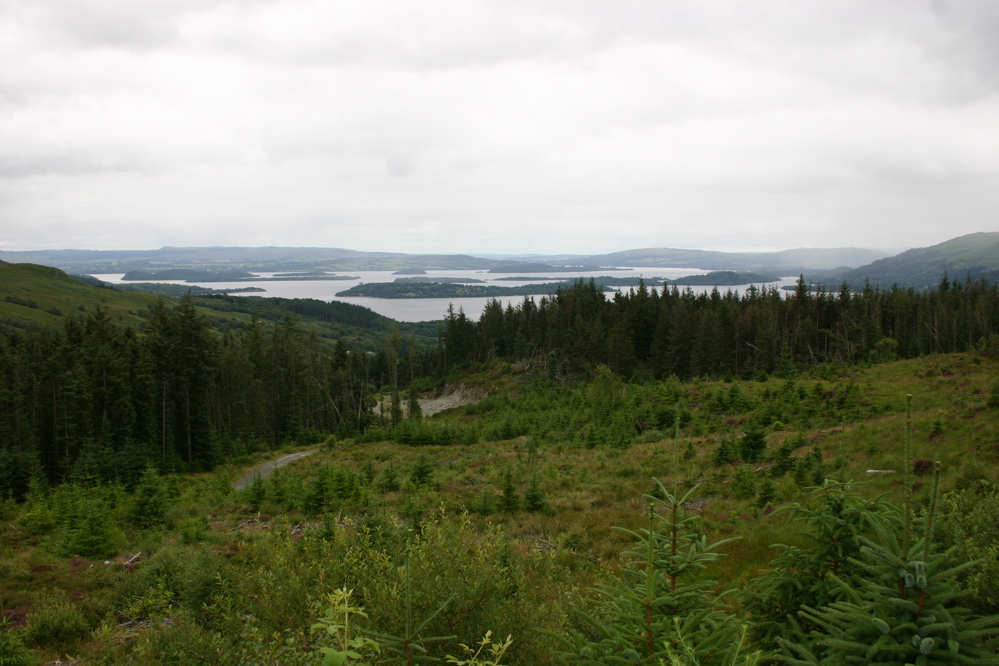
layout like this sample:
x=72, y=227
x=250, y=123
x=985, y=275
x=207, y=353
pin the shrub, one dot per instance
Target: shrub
x=150, y=504
x=90, y=530
x=12, y=649
x=56, y=624
x=388, y=482
x=993, y=400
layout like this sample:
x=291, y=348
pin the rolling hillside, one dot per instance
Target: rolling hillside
x=974, y=255
x=787, y=261
x=33, y=296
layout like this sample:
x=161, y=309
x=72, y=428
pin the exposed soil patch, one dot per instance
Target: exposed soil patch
x=453, y=395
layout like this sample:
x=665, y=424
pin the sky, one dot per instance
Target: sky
x=505, y=126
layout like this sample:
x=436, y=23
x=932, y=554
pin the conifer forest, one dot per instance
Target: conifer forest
x=656, y=477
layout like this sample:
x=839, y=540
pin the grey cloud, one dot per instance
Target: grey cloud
x=569, y=122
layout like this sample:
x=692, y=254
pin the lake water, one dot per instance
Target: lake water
x=428, y=309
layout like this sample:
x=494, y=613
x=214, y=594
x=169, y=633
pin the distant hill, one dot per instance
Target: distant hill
x=243, y=258
x=976, y=255
x=217, y=259
x=786, y=262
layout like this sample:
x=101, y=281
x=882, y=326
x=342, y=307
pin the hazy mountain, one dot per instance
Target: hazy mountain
x=244, y=258
x=785, y=261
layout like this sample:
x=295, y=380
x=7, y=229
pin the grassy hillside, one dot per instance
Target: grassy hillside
x=974, y=255
x=504, y=510
x=34, y=296
x=790, y=261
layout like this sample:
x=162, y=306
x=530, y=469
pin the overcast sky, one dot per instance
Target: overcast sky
x=578, y=126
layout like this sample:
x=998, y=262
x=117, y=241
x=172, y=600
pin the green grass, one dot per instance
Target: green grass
x=590, y=493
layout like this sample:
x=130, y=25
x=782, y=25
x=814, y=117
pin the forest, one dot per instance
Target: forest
x=658, y=477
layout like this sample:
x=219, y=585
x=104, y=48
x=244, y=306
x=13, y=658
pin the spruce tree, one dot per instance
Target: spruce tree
x=657, y=611
x=509, y=501
x=905, y=607
x=534, y=498
x=413, y=406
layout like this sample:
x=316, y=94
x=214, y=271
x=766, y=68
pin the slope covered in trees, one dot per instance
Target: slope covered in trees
x=672, y=332
x=974, y=256
x=501, y=517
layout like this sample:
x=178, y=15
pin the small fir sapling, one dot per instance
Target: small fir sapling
x=534, y=498
x=421, y=471
x=509, y=500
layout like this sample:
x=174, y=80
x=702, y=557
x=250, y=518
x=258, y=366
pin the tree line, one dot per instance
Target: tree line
x=666, y=332
x=94, y=398
x=97, y=399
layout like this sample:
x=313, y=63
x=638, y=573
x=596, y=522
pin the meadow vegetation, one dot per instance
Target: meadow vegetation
x=592, y=516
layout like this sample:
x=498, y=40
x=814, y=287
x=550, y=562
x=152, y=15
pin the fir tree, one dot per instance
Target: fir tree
x=534, y=498
x=414, y=410
x=509, y=500
x=657, y=611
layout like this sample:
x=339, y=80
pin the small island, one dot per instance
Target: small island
x=180, y=290
x=437, y=280
x=319, y=272
x=545, y=268
x=438, y=290
x=188, y=275
x=722, y=279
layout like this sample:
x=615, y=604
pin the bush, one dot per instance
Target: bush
x=90, y=530
x=993, y=400
x=56, y=624
x=26, y=302
x=12, y=649
x=752, y=445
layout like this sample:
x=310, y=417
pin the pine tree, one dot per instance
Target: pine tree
x=534, y=498
x=509, y=501
x=421, y=471
x=657, y=611
x=904, y=609
x=413, y=406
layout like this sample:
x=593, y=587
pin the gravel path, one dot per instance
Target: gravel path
x=267, y=469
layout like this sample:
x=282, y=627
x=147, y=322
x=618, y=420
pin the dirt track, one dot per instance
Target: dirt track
x=268, y=468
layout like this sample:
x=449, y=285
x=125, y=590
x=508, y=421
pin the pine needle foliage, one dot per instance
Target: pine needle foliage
x=832, y=525
x=906, y=611
x=658, y=610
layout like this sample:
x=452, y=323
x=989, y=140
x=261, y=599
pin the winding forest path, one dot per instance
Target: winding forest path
x=268, y=468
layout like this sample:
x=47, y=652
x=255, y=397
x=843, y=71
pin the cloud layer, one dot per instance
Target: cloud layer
x=504, y=126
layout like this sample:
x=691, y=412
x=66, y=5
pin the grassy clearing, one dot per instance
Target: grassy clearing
x=180, y=569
